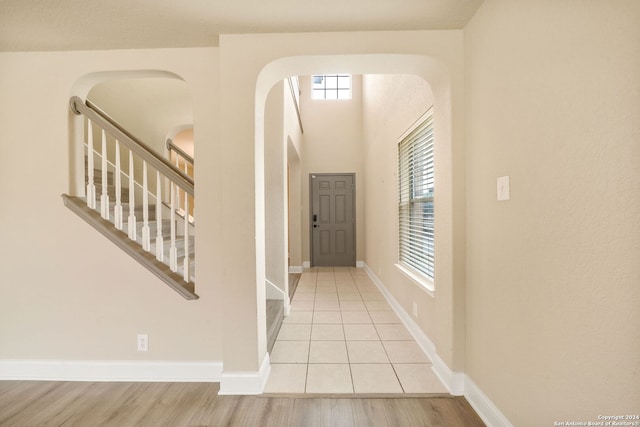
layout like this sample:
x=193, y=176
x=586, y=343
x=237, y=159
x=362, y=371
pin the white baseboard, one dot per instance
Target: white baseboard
x=110, y=370
x=295, y=269
x=359, y=264
x=245, y=383
x=287, y=306
x=306, y=265
x=454, y=381
x=483, y=406
x=421, y=338
x=458, y=383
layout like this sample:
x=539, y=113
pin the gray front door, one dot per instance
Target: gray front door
x=332, y=220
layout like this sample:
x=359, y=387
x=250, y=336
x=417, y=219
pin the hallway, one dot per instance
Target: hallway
x=343, y=337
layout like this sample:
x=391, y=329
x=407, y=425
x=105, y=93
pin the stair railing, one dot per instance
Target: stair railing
x=141, y=160
x=179, y=152
x=184, y=162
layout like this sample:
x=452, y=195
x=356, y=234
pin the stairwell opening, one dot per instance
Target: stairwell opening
x=137, y=193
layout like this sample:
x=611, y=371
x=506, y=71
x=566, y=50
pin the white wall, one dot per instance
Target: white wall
x=391, y=104
x=553, y=101
x=332, y=144
x=67, y=292
x=149, y=108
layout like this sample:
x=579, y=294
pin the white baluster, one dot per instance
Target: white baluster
x=91, y=188
x=132, y=215
x=104, y=199
x=185, y=274
x=186, y=208
x=146, y=238
x=159, y=239
x=117, y=210
x=178, y=188
x=173, y=254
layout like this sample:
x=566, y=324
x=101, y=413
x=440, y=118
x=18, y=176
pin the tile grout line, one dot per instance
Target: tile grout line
x=331, y=286
x=313, y=315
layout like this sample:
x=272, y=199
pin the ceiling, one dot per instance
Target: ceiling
x=37, y=25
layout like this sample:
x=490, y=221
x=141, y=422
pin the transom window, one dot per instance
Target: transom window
x=416, y=203
x=331, y=86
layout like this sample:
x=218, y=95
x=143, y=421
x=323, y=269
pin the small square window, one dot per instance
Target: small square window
x=331, y=86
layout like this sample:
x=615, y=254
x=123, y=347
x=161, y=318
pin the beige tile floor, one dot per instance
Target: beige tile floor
x=342, y=336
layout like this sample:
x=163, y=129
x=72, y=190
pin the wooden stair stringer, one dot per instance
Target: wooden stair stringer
x=133, y=249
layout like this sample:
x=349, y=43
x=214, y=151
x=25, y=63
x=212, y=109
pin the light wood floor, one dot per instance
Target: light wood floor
x=31, y=403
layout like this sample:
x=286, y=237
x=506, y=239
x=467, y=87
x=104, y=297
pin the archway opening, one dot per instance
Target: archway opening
x=432, y=75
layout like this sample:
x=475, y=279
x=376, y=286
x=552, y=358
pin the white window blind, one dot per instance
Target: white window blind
x=416, y=212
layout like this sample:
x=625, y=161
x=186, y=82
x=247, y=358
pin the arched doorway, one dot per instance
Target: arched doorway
x=449, y=329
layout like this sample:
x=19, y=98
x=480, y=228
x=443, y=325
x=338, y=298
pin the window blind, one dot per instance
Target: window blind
x=416, y=203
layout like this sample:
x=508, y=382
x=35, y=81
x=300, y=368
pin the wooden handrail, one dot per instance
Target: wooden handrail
x=171, y=146
x=161, y=164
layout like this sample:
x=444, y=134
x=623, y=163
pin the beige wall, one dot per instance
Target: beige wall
x=295, y=231
x=391, y=104
x=67, y=292
x=230, y=191
x=281, y=131
x=149, y=108
x=553, y=101
x=332, y=144
x=295, y=183
x=275, y=192
x=551, y=95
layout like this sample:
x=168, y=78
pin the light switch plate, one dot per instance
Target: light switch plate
x=503, y=188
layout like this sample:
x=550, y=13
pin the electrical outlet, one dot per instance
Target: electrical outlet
x=415, y=309
x=143, y=342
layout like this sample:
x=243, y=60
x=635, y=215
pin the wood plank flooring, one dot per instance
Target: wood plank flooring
x=33, y=403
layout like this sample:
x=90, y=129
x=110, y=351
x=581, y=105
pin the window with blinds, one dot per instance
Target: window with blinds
x=416, y=233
